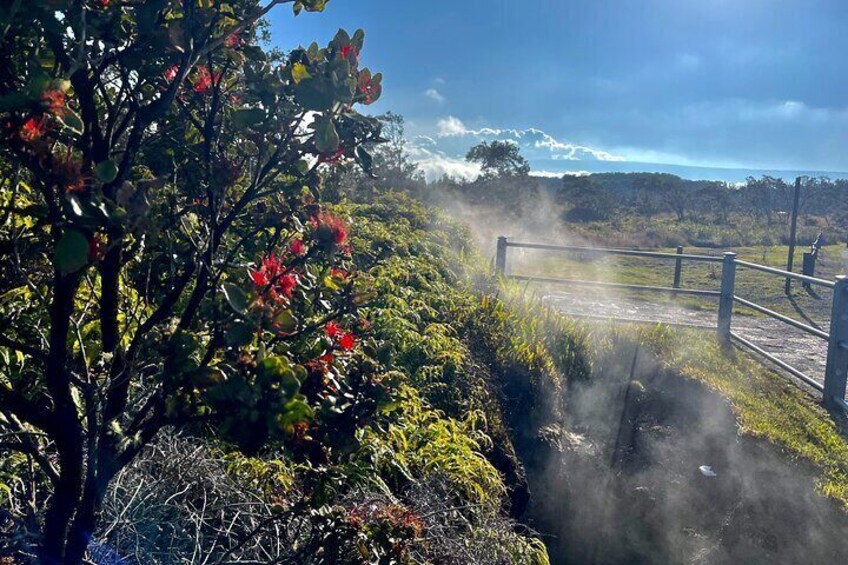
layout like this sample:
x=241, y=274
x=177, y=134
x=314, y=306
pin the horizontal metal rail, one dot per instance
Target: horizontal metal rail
x=796, y=276
x=611, y=251
x=807, y=379
x=617, y=285
x=792, y=322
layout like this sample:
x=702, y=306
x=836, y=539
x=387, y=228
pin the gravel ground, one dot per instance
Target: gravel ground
x=805, y=352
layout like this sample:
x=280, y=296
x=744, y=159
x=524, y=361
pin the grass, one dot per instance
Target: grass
x=762, y=288
x=767, y=404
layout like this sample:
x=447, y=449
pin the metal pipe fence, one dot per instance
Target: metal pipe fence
x=836, y=371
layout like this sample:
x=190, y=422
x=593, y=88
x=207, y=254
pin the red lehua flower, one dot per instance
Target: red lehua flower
x=32, y=130
x=327, y=358
x=329, y=228
x=368, y=87
x=349, y=50
x=297, y=247
x=286, y=284
x=335, y=157
x=171, y=73
x=268, y=269
x=77, y=186
x=259, y=278
x=54, y=101
x=340, y=273
x=104, y=3
x=233, y=40
x=333, y=329
x=347, y=341
x=205, y=80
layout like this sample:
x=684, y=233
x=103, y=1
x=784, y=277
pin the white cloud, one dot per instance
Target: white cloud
x=435, y=164
x=559, y=174
x=451, y=126
x=435, y=95
x=454, y=138
x=444, y=152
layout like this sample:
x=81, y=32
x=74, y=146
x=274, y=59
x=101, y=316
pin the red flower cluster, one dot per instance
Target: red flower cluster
x=335, y=157
x=344, y=339
x=53, y=101
x=297, y=247
x=233, y=40
x=368, y=87
x=402, y=517
x=70, y=170
x=171, y=73
x=205, y=80
x=33, y=129
x=273, y=277
x=392, y=515
x=329, y=229
x=349, y=51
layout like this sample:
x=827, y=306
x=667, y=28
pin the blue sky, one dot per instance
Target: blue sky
x=757, y=84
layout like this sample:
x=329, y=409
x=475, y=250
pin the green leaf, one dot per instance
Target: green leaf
x=289, y=383
x=286, y=322
x=364, y=159
x=236, y=297
x=248, y=117
x=71, y=253
x=240, y=334
x=73, y=122
x=294, y=411
x=326, y=138
x=106, y=171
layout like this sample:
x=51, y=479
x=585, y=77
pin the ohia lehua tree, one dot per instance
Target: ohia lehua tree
x=166, y=260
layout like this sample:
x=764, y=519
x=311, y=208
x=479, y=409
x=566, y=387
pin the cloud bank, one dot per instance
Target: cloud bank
x=443, y=153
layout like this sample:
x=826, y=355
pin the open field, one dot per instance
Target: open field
x=767, y=290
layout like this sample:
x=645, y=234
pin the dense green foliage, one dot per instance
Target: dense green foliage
x=166, y=259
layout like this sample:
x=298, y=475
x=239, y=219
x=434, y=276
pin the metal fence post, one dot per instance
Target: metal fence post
x=678, y=266
x=836, y=371
x=725, y=304
x=500, y=257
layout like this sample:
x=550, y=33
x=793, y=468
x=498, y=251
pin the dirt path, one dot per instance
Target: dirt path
x=805, y=352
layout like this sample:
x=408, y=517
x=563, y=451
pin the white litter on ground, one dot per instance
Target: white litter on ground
x=707, y=471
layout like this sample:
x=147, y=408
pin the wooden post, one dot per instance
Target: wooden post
x=678, y=265
x=809, y=267
x=500, y=257
x=728, y=289
x=836, y=370
x=793, y=227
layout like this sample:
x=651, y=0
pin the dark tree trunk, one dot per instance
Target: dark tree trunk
x=67, y=428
